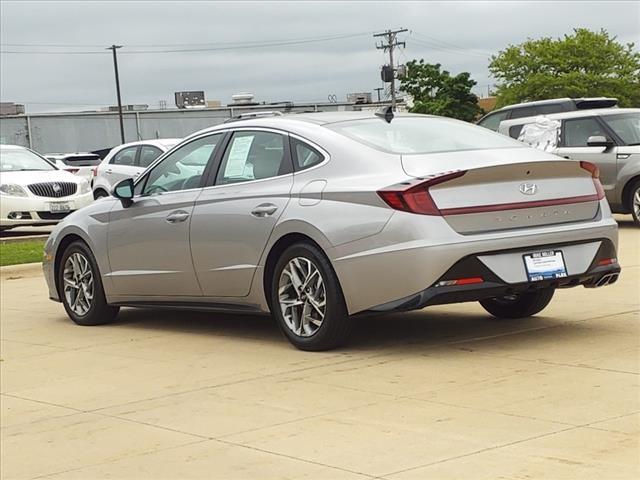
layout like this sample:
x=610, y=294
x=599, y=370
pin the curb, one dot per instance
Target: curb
x=21, y=271
x=26, y=238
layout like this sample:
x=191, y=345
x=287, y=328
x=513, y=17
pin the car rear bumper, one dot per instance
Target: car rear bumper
x=414, y=251
x=599, y=274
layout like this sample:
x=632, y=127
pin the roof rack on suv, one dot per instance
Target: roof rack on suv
x=245, y=116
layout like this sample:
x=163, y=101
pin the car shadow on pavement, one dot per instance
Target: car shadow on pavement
x=423, y=328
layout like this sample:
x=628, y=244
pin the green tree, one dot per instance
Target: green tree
x=436, y=92
x=584, y=64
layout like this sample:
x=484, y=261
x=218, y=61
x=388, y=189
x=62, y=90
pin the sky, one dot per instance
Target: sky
x=300, y=51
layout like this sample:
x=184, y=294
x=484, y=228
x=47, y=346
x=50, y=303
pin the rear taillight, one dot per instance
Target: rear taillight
x=595, y=175
x=416, y=198
x=94, y=172
x=72, y=170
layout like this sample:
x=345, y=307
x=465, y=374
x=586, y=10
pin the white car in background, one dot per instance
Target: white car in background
x=127, y=161
x=81, y=164
x=35, y=192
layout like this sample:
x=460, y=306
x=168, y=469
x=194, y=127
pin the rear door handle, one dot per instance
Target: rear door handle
x=264, y=210
x=177, y=217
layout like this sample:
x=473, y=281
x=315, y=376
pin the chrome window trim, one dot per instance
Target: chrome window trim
x=323, y=152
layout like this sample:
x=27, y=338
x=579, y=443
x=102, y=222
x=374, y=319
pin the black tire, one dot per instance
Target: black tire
x=635, y=212
x=99, y=312
x=519, y=306
x=100, y=194
x=336, y=324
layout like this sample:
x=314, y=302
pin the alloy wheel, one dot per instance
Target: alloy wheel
x=636, y=202
x=302, y=296
x=78, y=283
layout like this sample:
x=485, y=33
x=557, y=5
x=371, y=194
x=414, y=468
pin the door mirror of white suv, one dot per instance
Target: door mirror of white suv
x=124, y=191
x=599, y=141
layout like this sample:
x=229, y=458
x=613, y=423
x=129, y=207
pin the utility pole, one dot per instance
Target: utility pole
x=378, y=90
x=113, y=48
x=390, y=37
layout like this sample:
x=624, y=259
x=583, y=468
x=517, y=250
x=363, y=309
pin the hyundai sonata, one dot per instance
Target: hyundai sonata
x=320, y=217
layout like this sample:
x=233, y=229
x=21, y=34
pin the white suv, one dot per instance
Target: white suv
x=127, y=161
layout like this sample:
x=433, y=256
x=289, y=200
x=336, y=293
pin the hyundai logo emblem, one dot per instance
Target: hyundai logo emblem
x=57, y=188
x=528, y=188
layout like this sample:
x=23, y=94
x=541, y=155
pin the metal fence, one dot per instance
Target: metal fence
x=91, y=131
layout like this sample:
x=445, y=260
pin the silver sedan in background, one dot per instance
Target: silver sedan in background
x=320, y=217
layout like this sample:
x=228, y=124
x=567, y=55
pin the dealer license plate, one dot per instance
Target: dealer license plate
x=59, y=207
x=545, y=265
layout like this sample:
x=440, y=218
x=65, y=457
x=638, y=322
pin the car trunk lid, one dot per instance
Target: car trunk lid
x=493, y=195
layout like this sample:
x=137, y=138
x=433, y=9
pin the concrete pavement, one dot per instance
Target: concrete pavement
x=446, y=392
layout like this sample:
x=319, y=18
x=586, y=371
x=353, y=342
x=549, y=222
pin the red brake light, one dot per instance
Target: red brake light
x=595, y=175
x=72, y=170
x=94, y=172
x=416, y=198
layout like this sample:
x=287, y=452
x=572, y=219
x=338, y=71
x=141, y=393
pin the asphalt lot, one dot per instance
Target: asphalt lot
x=446, y=392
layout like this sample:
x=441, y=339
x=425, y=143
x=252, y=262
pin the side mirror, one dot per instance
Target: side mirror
x=124, y=191
x=599, y=141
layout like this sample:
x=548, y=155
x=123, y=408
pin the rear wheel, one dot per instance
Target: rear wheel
x=519, y=305
x=81, y=287
x=635, y=202
x=307, y=300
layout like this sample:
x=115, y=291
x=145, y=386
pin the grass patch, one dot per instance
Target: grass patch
x=17, y=252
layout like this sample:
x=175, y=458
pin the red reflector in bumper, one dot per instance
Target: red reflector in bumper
x=607, y=261
x=460, y=281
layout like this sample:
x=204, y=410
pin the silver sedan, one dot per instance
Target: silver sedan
x=317, y=218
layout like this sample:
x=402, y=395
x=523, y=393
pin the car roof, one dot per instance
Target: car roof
x=162, y=142
x=552, y=101
x=293, y=120
x=5, y=146
x=573, y=114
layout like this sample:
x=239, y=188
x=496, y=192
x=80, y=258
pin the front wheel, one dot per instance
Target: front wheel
x=519, y=305
x=307, y=300
x=635, y=202
x=81, y=288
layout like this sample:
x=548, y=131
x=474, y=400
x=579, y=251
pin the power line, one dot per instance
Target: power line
x=449, y=45
x=221, y=46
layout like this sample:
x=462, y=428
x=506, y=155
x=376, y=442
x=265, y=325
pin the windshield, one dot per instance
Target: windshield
x=626, y=126
x=20, y=160
x=407, y=135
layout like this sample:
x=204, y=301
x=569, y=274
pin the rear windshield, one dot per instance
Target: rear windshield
x=407, y=135
x=82, y=160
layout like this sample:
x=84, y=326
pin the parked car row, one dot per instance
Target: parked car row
x=41, y=190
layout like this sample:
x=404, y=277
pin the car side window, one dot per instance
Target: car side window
x=492, y=121
x=577, y=131
x=182, y=169
x=253, y=155
x=126, y=157
x=524, y=112
x=148, y=153
x=304, y=155
x=514, y=132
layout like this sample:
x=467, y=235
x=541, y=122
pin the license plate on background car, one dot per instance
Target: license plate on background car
x=59, y=207
x=545, y=265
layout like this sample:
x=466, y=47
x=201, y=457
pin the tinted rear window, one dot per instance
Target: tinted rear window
x=82, y=160
x=406, y=135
